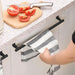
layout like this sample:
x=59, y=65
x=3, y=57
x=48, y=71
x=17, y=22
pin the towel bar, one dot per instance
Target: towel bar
x=17, y=48
x=58, y=23
x=3, y=56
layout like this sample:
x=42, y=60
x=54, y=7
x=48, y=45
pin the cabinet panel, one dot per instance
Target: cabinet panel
x=7, y=61
x=65, y=36
x=33, y=66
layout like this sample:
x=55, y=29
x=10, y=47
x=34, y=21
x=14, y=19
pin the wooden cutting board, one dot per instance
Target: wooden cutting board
x=14, y=21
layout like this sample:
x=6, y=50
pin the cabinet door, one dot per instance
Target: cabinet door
x=34, y=66
x=6, y=61
x=67, y=28
x=65, y=36
x=31, y=67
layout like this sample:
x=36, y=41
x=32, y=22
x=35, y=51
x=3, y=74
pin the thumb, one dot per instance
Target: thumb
x=46, y=50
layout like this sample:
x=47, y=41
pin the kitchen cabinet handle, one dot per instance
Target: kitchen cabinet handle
x=17, y=48
x=3, y=56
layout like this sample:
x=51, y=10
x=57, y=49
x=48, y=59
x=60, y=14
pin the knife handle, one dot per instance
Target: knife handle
x=50, y=4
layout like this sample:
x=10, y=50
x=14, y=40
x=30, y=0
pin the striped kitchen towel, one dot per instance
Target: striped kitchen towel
x=42, y=41
x=53, y=69
x=28, y=54
x=38, y=44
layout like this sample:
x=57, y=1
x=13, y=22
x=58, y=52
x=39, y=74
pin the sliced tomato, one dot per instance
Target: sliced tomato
x=27, y=8
x=23, y=9
x=30, y=13
x=24, y=18
x=13, y=10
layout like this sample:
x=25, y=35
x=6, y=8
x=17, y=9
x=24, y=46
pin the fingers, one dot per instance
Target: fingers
x=46, y=50
x=45, y=56
x=45, y=53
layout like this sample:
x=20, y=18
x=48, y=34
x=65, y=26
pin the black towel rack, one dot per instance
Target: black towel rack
x=58, y=23
x=17, y=48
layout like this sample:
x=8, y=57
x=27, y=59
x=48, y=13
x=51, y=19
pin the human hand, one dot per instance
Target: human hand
x=45, y=56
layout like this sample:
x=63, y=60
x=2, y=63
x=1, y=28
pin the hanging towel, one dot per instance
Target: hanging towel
x=38, y=44
x=42, y=41
x=28, y=54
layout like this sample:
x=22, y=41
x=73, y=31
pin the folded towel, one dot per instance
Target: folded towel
x=38, y=44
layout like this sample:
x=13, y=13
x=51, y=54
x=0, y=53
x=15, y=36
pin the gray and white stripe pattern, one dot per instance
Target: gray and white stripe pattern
x=53, y=69
x=28, y=54
x=42, y=41
x=38, y=45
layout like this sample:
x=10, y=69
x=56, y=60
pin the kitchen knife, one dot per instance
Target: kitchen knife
x=49, y=4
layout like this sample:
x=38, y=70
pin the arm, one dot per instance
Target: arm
x=63, y=57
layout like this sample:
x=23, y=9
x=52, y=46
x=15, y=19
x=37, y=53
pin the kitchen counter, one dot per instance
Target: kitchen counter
x=10, y=33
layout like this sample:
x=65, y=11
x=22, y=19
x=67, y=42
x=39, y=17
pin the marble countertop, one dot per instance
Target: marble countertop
x=9, y=33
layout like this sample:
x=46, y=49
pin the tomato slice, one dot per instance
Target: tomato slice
x=13, y=10
x=23, y=9
x=24, y=18
x=27, y=8
x=30, y=13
